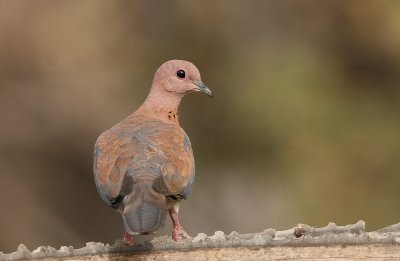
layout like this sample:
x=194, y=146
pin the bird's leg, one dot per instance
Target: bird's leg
x=127, y=239
x=177, y=229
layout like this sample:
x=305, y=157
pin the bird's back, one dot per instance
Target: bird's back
x=137, y=164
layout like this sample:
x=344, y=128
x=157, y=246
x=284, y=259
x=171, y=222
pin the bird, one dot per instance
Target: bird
x=144, y=166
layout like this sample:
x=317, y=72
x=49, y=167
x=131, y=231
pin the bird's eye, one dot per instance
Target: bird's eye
x=180, y=74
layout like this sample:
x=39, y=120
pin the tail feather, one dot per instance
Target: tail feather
x=144, y=210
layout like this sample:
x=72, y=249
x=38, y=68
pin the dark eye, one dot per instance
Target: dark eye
x=180, y=74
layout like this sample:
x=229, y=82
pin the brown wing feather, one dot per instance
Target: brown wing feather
x=112, y=157
x=177, y=164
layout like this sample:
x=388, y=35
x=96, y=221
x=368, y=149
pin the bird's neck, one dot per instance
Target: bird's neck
x=162, y=105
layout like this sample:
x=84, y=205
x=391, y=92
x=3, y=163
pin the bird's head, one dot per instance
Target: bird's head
x=180, y=77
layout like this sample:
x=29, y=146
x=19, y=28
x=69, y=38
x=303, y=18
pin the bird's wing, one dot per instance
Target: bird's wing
x=113, y=153
x=176, y=164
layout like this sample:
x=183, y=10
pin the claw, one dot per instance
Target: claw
x=127, y=239
x=179, y=233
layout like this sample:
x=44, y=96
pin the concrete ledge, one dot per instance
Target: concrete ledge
x=349, y=242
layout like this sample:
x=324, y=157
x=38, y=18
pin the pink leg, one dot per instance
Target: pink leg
x=177, y=230
x=127, y=239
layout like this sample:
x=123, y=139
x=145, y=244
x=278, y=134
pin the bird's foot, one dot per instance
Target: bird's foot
x=127, y=239
x=178, y=233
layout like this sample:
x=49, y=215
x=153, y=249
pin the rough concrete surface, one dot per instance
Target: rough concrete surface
x=349, y=242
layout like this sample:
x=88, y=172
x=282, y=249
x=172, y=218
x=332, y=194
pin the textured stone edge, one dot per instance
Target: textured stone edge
x=300, y=236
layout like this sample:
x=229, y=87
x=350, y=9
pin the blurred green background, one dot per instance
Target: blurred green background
x=304, y=125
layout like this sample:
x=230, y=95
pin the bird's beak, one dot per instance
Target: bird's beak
x=201, y=87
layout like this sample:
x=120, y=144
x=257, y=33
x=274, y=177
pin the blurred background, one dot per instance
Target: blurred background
x=304, y=125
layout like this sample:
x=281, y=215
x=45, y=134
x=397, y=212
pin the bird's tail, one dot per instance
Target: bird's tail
x=144, y=210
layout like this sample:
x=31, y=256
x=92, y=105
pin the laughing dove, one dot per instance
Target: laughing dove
x=144, y=165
